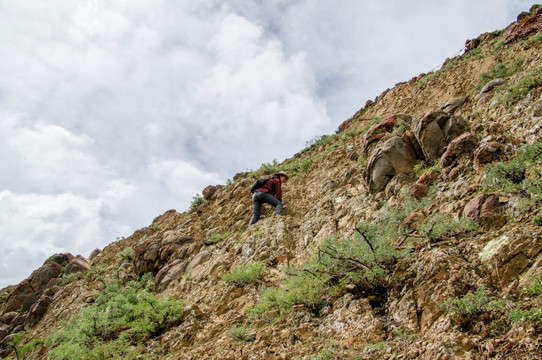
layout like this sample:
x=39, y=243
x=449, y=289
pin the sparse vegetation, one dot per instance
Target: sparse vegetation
x=298, y=166
x=215, y=238
x=472, y=303
x=511, y=94
x=319, y=141
x=245, y=274
x=69, y=278
x=240, y=333
x=528, y=312
x=20, y=350
x=501, y=70
x=155, y=227
x=522, y=174
x=441, y=226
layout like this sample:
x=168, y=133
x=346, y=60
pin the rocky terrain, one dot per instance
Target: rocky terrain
x=413, y=232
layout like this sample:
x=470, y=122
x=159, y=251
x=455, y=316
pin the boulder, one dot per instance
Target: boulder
x=169, y=273
x=9, y=317
x=492, y=85
x=94, y=253
x=382, y=129
x=418, y=190
x=210, y=192
x=436, y=130
x=490, y=152
x=463, y=144
x=486, y=210
x=452, y=105
x=197, y=260
x=39, y=308
x=79, y=264
x=158, y=250
x=392, y=157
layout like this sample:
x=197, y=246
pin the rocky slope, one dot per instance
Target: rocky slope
x=453, y=272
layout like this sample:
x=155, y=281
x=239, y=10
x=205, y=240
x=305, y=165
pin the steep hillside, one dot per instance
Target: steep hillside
x=414, y=232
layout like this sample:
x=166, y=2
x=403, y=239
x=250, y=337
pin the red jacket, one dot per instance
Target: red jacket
x=273, y=187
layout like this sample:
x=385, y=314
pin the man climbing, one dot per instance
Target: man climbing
x=270, y=193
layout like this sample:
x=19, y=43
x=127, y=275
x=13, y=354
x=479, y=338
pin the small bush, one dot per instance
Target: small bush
x=535, y=38
x=530, y=315
x=441, y=226
x=240, y=333
x=69, y=278
x=215, y=238
x=379, y=346
x=298, y=289
x=535, y=286
x=520, y=174
x=319, y=140
x=298, y=166
x=245, y=274
x=127, y=254
x=197, y=200
x=269, y=168
x=155, y=227
x=472, y=304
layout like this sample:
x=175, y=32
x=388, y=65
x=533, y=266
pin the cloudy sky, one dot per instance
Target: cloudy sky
x=114, y=111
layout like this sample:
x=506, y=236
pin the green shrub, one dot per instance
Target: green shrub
x=441, y=226
x=155, y=227
x=298, y=166
x=535, y=286
x=215, y=238
x=240, y=333
x=329, y=353
x=472, y=304
x=521, y=174
x=535, y=38
x=127, y=254
x=118, y=324
x=245, y=273
x=520, y=89
x=298, y=289
x=379, y=346
x=530, y=315
x=501, y=70
x=69, y=278
x=20, y=349
x=319, y=141
x=197, y=200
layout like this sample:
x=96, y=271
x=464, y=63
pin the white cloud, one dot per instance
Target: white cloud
x=129, y=108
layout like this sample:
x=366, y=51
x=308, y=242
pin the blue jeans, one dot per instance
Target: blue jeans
x=258, y=199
